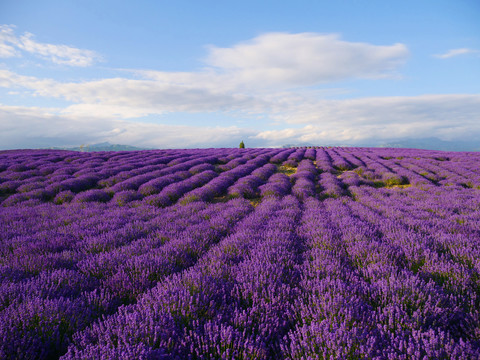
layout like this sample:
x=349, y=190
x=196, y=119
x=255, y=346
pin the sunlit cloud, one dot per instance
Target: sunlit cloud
x=24, y=127
x=276, y=77
x=305, y=59
x=447, y=117
x=248, y=77
x=330, y=121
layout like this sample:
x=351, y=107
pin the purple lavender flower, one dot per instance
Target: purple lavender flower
x=333, y=261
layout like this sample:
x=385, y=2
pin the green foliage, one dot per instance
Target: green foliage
x=242, y=145
x=393, y=179
x=64, y=197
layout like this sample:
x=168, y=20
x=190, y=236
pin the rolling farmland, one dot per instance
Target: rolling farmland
x=305, y=253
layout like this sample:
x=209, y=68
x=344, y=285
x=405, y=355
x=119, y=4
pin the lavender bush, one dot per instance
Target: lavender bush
x=353, y=253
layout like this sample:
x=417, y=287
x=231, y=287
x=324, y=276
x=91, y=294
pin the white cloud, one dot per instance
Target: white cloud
x=267, y=76
x=304, y=59
x=11, y=80
x=248, y=77
x=271, y=59
x=447, y=117
x=12, y=45
x=456, y=52
x=130, y=98
x=97, y=104
x=26, y=127
x=283, y=61
x=58, y=54
x=7, y=36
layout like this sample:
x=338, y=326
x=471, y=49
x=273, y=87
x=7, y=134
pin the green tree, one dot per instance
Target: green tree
x=242, y=145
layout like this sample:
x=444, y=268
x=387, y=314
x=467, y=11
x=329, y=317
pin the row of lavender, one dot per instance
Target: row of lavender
x=388, y=273
x=162, y=178
x=62, y=268
x=63, y=176
x=348, y=282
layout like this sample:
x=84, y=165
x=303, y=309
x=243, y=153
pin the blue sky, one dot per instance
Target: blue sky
x=212, y=73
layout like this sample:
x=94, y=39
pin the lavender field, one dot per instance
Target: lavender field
x=308, y=253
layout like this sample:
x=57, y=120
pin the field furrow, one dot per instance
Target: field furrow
x=299, y=253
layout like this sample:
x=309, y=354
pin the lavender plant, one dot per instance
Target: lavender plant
x=346, y=253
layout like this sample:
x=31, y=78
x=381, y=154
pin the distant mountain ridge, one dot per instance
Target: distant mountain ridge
x=433, y=143
x=430, y=143
x=105, y=146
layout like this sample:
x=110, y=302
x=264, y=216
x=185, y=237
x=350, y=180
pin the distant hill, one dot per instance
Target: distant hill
x=431, y=143
x=105, y=146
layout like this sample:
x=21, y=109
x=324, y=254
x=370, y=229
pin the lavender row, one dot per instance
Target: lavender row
x=57, y=175
x=232, y=304
x=360, y=301
x=98, y=273
x=347, y=253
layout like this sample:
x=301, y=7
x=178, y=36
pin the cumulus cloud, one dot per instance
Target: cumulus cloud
x=312, y=119
x=131, y=98
x=27, y=127
x=447, y=117
x=284, y=60
x=241, y=78
x=269, y=76
x=12, y=80
x=305, y=59
x=456, y=52
x=12, y=45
